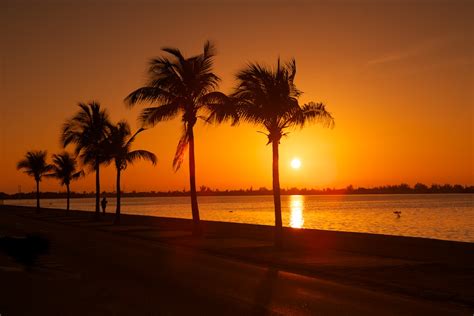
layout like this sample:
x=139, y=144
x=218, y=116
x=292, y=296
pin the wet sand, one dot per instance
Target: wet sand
x=152, y=265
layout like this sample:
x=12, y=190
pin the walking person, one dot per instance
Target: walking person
x=103, y=204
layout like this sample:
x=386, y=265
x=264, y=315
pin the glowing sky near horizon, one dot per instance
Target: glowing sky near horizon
x=396, y=75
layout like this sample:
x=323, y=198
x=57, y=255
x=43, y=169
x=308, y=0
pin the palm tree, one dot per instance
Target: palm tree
x=267, y=97
x=119, y=143
x=34, y=164
x=64, y=168
x=88, y=129
x=180, y=87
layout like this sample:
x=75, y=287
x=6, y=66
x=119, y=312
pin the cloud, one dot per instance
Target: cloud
x=406, y=53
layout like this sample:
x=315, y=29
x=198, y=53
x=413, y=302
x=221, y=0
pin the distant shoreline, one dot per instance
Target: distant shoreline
x=60, y=195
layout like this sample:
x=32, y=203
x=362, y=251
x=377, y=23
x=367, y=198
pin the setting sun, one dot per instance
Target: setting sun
x=296, y=163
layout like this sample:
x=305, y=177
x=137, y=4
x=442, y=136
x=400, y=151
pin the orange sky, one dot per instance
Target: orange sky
x=397, y=76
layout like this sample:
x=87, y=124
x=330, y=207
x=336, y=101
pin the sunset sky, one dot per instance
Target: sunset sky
x=397, y=76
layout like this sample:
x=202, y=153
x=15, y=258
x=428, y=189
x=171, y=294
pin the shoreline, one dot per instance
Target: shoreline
x=302, y=238
x=62, y=195
x=412, y=232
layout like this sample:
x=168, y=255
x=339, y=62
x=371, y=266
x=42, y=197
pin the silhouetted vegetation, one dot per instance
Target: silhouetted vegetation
x=64, y=169
x=268, y=98
x=180, y=86
x=118, y=146
x=87, y=130
x=207, y=191
x=34, y=164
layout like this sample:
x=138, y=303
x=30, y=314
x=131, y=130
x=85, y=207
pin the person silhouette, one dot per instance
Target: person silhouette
x=104, y=204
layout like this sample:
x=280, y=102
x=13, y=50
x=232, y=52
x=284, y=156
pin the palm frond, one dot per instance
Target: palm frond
x=152, y=115
x=175, y=52
x=221, y=108
x=87, y=130
x=149, y=94
x=177, y=84
x=316, y=113
x=184, y=86
x=78, y=175
x=132, y=138
x=181, y=150
x=34, y=164
x=118, y=145
x=141, y=154
x=209, y=49
x=64, y=168
x=23, y=164
x=268, y=97
x=179, y=154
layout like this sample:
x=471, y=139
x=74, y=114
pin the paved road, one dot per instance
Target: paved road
x=96, y=273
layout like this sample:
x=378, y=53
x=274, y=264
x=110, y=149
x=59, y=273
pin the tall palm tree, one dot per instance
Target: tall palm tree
x=64, y=168
x=268, y=97
x=119, y=143
x=87, y=130
x=34, y=164
x=179, y=86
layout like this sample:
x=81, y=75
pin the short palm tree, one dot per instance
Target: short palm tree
x=87, y=130
x=119, y=143
x=179, y=86
x=64, y=169
x=34, y=164
x=267, y=97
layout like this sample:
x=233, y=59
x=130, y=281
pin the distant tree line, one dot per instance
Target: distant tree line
x=407, y=189
x=403, y=188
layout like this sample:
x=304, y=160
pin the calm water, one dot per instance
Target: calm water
x=439, y=216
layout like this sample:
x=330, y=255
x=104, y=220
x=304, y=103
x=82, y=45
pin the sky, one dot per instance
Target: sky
x=396, y=75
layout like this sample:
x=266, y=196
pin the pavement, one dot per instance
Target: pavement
x=96, y=268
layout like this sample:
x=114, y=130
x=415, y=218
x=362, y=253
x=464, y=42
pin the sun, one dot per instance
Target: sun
x=295, y=163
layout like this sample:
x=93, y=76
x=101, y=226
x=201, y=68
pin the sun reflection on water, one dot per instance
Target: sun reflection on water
x=296, y=209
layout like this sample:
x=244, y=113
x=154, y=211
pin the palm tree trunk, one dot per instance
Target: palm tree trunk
x=68, y=193
x=37, y=196
x=276, y=197
x=97, y=190
x=117, y=210
x=192, y=184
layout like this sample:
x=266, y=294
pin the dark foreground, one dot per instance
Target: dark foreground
x=153, y=266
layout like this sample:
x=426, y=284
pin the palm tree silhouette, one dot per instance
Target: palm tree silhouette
x=88, y=129
x=64, y=168
x=180, y=86
x=34, y=164
x=268, y=97
x=119, y=143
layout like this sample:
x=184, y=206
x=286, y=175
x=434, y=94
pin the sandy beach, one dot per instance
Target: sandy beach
x=151, y=265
